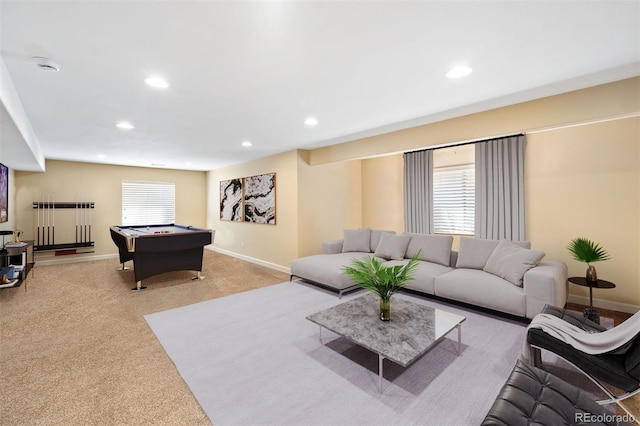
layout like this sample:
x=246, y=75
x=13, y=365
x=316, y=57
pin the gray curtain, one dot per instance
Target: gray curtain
x=500, y=188
x=418, y=192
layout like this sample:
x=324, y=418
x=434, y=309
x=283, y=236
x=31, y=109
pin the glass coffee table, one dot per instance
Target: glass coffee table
x=414, y=329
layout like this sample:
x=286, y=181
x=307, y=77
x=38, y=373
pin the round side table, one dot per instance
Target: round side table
x=590, y=313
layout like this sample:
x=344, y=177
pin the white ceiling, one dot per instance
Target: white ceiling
x=241, y=70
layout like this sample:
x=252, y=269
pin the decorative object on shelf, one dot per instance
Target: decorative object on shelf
x=3, y=249
x=371, y=275
x=16, y=235
x=587, y=251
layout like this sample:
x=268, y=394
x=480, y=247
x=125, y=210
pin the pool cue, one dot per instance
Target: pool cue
x=89, y=221
x=38, y=218
x=53, y=220
x=48, y=218
x=85, y=222
x=76, y=218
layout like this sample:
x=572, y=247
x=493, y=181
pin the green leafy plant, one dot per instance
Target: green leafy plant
x=587, y=251
x=370, y=274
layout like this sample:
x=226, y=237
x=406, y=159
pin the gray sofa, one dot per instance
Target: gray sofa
x=504, y=276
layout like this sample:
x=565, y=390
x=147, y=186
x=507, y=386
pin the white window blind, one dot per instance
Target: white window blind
x=454, y=200
x=148, y=203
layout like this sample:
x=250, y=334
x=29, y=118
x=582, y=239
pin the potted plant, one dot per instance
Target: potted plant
x=587, y=251
x=370, y=274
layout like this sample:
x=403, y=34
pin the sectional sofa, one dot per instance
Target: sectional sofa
x=504, y=276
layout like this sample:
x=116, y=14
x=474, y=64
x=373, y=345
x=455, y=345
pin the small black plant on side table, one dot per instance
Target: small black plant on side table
x=590, y=313
x=587, y=251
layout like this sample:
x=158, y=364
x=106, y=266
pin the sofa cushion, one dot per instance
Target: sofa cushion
x=357, y=240
x=327, y=268
x=473, y=253
x=510, y=261
x=376, y=234
x=433, y=248
x=332, y=247
x=392, y=247
x=423, y=276
x=481, y=288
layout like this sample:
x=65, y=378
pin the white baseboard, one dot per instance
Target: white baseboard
x=604, y=304
x=260, y=262
x=69, y=259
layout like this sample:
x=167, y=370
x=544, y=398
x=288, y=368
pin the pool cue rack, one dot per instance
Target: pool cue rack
x=45, y=225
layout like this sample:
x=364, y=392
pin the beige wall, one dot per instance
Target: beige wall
x=382, y=194
x=102, y=184
x=273, y=244
x=329, y=200
x=585, y=182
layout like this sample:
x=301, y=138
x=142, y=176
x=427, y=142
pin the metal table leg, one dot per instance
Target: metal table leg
x=380, y=370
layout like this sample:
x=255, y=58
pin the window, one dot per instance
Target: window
x=147, y=203
x=454, y=199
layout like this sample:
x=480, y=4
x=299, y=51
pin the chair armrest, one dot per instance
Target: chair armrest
x=332, y=247
x=545, y=284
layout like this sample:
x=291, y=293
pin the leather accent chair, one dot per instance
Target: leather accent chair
x=619, y=368
x=532, y=396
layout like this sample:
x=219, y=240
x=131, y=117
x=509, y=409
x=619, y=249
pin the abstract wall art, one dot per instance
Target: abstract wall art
x=260, y=199
x=231, y=200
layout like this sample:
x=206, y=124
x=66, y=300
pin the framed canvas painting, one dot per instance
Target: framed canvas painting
x=4, y=193
x=260, y=199
x=231, y=200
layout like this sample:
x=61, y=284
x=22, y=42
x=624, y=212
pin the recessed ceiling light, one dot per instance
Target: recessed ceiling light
x=311, y=121
x=459, y=72
x=46, y=64
x=124, y=125
x=246, y=144
x=102, y=156
x=158, y=82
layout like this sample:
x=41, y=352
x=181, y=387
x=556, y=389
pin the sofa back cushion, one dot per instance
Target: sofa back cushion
x=357, y=240
x=511, y=262
x=473, y=253
x=392, y=247
x=433, y=248
x=375, y=238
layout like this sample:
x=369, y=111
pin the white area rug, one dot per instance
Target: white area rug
x=253, y=359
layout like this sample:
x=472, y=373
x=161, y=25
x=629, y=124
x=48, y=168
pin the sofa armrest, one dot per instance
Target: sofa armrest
x=545, y=284
x=332, y=247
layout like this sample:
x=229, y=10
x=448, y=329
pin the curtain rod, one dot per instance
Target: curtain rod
x=471, y=142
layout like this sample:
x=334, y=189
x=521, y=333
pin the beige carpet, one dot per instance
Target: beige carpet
x=75, y=348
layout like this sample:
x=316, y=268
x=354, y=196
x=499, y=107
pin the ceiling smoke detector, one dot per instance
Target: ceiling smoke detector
x=46, y=63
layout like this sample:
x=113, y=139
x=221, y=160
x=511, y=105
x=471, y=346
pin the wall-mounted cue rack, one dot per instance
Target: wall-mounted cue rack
x=46, y=209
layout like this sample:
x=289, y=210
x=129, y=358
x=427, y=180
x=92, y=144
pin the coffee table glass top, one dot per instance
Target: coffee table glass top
x=412, y=331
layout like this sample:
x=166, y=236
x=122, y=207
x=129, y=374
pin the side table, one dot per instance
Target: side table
x=590, y=313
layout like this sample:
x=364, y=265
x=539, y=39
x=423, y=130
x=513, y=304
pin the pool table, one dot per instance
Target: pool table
x=156, y=249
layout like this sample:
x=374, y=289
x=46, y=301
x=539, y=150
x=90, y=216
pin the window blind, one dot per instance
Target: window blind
x=148, y=203
x=454, y=200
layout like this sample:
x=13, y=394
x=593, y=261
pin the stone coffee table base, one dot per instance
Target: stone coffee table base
x=414, y=329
